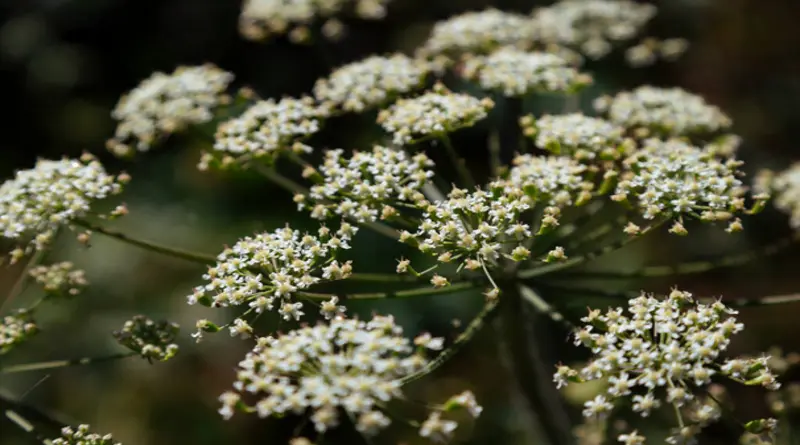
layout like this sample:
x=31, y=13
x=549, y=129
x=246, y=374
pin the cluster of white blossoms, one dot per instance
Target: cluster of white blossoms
x=432, y=114
x=82, y=436
x=165, y=103
x=591, y=25
x=478, y=33
x=264, y=130
x=152, y=340
x=556, y=181
x=785, y=189
x=649, y=110
x=475, y=228
x=675, y=178
x=347, y=364
x=371, y=82
x=582, y=137
x=365, y=186
x=60, y=278
x=271, y=267
x=515, y=72
x=262, y=19
x=663, y=350
x=38, y=201
x=15, y=329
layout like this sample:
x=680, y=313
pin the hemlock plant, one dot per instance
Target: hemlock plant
x=562, y=189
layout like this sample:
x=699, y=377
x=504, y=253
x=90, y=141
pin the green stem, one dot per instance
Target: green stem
x=532, y=373
x=494, y=153
x=572, y=262
x=472, y=328
x=148, y=245
x=771, y=300
x=409, y=293
x=542, y=306
x=19, y=283
x=291, y=186
x=458, y=162
x=691, y=267
x=27, y=367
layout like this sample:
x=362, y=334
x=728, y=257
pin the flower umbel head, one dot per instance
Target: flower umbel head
x=478, y=33
x=432, y=114
x=53, y=193
x=362, y=186
x=591, y=25
x=785, y=187
x=60, y=278
x=371, y=82
x=82, y=436
x=262, y=19
x=675, y=178
x=15, y=329
x=582, y=137
x=266, y=270
x=166, y=103
x=152, y=340
x=662, y=350
x=666, y=112
x=347, y=364
x=264, y=130
x=514, y=72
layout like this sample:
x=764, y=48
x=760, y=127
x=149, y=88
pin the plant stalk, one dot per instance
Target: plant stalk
x=533, y=375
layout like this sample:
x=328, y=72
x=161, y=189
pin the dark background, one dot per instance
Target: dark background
x=64, y=64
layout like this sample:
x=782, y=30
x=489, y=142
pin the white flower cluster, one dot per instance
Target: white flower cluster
x=15, y=329
x=264, y=130
x=165, y=103
x=371, y=82
x=434, y=113
x=515, y=72
x=475, y=228
x=365, y=186
x=591, y=25
x=674, y=178
x=82, y=436
x=350, y=364
x=262, y=19
x=785, y=187
x=60, y=278
x=557, y=181
x=660, y=351
x=663, y=112
x=478, y=33
x=271, y=267
x=40, y=200
x=152, y=340
x=582, y=137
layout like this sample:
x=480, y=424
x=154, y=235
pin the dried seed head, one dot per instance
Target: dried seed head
x=152, y=340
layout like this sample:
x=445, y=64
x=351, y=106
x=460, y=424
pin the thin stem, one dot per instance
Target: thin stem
x=27, y=367
x=409, y=293
x=551, y=268
x=531, y=370
x=494, y=152
x=383, y=278
x=542, y=306
x=469, y=332
x=458, y=162
x=19, y=283
x=148, y=245
x=691, y=267
x=25, y=425
x=291, y=186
